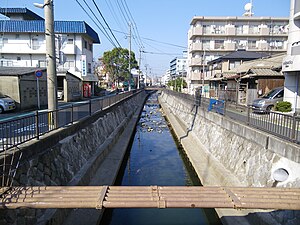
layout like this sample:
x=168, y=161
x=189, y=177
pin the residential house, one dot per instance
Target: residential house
x=251, y=79
x=22, y=44
x=223, y=65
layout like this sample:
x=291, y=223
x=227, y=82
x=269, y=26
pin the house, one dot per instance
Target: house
x=22, y=44
x=223, y=66
x=251, y=79
x=212, y=37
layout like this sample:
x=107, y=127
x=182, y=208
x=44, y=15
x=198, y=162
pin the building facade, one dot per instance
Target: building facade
x=22, y=44
x=291, y=63
x=212, y=37
x=178, y=66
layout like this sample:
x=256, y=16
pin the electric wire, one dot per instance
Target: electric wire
x=106, y=23
x=102, y=31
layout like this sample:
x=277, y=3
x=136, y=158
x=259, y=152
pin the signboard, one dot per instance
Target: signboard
x=38, y=73
x=83, y=65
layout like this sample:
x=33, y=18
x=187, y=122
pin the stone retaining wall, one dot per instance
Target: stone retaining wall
x=224, y=152
x=74, y=159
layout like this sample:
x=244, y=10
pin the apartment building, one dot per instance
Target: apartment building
x=178, y=66
x=22, y=44
x=213, y=37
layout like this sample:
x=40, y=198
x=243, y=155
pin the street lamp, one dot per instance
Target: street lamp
x=50, y=59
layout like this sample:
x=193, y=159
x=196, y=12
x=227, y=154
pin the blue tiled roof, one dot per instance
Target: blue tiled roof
x=38, y=26
x=15, y=11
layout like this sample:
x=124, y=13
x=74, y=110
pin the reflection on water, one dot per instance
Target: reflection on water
x=155, y=160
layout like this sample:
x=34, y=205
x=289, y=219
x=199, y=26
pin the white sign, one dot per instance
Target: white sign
x=83, y=65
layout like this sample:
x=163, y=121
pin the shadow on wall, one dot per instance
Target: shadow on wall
x=276, y=217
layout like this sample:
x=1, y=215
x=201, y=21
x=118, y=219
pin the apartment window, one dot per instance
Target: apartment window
x=239, y=29
x=70, y=41
x=69, y=64
x=253, y=29
x=206, y=29
x=234, y=64
x=42, y=63
x=89, y=68
x=206, y=44
x=251, y=44
x=18, y=58
x=91, y=47
x=219, y=44
x=85, y=44
x=276, y=44
x=242, y=44
x=35, y=43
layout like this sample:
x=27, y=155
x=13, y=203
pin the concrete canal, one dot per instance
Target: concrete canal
x=155, y=159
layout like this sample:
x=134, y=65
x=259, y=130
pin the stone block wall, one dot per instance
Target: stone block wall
x=73, y=160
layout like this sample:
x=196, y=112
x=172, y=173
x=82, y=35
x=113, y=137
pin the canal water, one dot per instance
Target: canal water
x=154, y=159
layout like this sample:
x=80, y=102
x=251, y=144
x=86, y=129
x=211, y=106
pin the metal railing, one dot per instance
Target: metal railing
x=283, y=125
x=16, y=131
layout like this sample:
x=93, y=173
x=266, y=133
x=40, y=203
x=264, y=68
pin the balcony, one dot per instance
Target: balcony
x=195, y=31
x=196, y=76
x=196, y=61
x=23, y=48
x=196, y=47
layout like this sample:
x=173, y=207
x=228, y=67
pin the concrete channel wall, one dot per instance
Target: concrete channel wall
x=225, y=152
x=73, y=156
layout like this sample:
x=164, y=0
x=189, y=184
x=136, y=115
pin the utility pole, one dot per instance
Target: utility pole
x=129, y=63
x=140, y=58
x=51, y=61
x=203, y=68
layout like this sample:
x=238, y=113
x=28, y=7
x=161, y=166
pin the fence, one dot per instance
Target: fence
x=286, y=126
x=31, y=126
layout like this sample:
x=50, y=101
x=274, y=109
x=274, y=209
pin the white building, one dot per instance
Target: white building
x=22, y=44
x=212, y=37
x=178, y=66
x=166, y=78
x=291, y=64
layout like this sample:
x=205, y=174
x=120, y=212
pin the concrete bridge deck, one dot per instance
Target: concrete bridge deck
x=149, y=197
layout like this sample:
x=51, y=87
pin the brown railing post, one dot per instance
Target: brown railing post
x=37, y=128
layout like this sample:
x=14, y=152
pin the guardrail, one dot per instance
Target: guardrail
x=16, y=131
x=283, y=125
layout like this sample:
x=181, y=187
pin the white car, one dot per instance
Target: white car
x=6, y=103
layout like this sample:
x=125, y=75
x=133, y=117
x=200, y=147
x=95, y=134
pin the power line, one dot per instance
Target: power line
x=161, y=53
x=102, y=31
x=106, y=23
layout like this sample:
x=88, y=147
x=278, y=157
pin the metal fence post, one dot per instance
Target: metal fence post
x=248, y=115
x=293, y=133
x=37, y=128
x=72, y=113
x=90, y=107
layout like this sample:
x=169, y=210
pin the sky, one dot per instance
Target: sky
x=159, y=26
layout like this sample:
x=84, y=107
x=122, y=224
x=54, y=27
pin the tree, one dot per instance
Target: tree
x=177, y=84
x=116, y=63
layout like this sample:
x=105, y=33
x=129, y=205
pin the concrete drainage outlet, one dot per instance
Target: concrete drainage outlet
x=280, y=175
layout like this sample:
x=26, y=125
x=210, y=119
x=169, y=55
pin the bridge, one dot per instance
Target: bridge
x=149, y=197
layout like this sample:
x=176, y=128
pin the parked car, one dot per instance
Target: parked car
x=6, y=103
x=268, y=101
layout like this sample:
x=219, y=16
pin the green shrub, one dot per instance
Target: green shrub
x=283, y=106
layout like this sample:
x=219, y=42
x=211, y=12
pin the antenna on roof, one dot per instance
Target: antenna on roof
x=248, y=8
